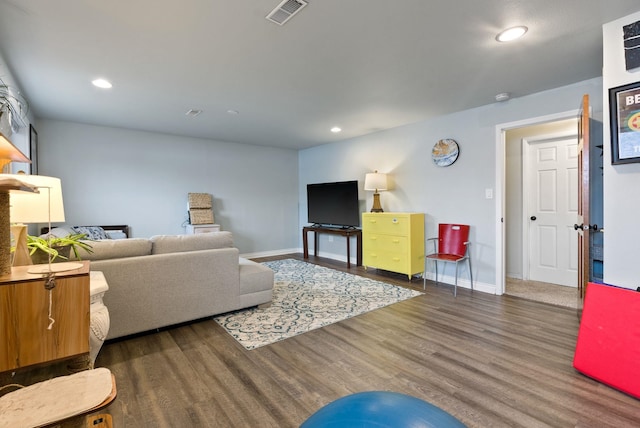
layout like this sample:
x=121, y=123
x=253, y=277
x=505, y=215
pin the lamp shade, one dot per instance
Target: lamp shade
x=375, y=181
x=45, y=206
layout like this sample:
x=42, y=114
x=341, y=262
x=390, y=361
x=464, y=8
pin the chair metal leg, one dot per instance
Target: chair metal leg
x=455, y=284
x=424, y=275
x=470, y=272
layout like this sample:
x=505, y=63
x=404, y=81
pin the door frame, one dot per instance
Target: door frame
x=500, y=132
x=526, y=189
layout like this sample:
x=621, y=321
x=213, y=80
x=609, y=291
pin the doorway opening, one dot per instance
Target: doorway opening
x=540, y=206
x=514, y=222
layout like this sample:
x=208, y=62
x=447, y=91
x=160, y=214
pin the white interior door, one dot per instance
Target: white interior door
x=551, y=189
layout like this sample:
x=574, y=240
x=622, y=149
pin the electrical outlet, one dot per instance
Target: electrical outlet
x=330, y=238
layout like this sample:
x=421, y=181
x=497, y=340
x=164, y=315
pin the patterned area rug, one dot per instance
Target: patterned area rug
x=307, y=297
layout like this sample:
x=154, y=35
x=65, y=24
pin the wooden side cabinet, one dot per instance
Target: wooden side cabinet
x=393, y=242
x=24, y=317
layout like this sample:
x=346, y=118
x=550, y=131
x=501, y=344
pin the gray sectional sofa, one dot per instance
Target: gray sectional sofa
x=166, y=280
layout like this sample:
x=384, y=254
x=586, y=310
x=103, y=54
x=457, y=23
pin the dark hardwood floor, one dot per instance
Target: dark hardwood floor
x=491, y=361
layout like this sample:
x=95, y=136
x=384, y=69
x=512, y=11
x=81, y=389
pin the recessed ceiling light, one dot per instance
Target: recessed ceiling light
x=193, y=112
x=336, y=129
x=233, y=112
x=503, y=96
x=102, y=83
x=512, y=33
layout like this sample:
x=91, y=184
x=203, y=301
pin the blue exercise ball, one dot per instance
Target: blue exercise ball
x=381, y=409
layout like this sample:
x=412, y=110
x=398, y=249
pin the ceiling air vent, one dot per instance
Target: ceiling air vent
x=285, y=11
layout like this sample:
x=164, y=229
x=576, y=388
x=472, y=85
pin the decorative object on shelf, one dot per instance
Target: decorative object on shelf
x=13, y=107
x=624, y=113
x=375, y=181
x=33, y=149
x=630, y=35
x=200, y=208
x=445, y=152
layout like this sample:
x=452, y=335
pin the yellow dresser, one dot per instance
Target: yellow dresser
x=393, y=242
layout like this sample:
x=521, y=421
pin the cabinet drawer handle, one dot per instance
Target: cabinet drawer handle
x=395, y=241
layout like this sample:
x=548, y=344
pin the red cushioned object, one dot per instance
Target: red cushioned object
x=608, y=346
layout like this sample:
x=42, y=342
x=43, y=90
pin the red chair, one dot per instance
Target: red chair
x=452, y=247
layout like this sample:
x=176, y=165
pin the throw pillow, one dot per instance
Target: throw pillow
x=93, y=232
x=115, y=234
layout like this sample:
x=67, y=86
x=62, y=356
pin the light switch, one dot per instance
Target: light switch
x=488, y=193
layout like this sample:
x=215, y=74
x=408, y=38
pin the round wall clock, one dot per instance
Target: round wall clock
x=445, y=152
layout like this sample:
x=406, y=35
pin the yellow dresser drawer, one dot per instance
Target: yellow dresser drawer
x=387, y=261
x=390, y=243
x=395, y=224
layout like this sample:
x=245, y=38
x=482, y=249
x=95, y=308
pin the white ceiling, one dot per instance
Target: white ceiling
x=363, y=65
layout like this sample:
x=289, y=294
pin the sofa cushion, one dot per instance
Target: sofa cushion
x=254, y=277
x=163, y=244
x=116, y=248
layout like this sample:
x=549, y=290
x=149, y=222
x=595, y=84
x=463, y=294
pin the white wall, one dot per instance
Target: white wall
x=119, y=176
x=621, y=182
x=452, y=194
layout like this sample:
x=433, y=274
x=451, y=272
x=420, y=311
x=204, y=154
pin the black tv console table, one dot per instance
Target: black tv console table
x=348, y=233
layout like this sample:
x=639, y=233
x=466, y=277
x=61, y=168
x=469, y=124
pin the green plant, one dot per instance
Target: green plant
x=53, y=245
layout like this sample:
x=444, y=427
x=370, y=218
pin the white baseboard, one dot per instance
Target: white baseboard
x=270, y=253
x=463, y=282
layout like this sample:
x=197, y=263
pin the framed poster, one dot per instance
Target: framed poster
x=33, y=150
x=624, y=112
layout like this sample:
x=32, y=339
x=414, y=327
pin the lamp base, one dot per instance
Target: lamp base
x=55, y=267
x=21, y=256
x=376, y=208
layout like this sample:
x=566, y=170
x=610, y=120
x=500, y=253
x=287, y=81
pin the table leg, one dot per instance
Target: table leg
x=348, y=252
x=359, y=249
x=304, y=244
x=315, y=243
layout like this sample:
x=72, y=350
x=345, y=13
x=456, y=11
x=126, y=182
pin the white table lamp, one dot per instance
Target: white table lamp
x=44, y=207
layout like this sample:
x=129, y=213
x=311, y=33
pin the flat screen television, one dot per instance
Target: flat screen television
x=333, y=204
